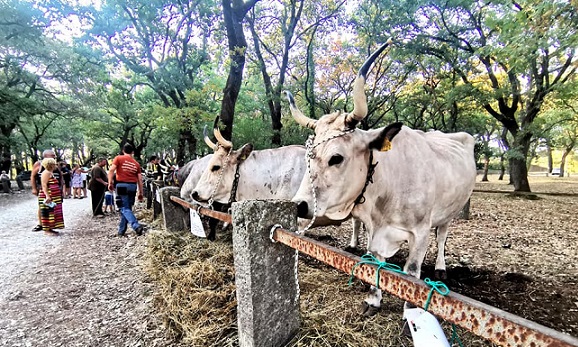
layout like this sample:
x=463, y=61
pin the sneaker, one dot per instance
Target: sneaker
x=121, y=234
x=139, y=230
x=37, y=228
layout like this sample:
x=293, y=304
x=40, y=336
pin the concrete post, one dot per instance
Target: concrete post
x=175, y=217
x=267, y=292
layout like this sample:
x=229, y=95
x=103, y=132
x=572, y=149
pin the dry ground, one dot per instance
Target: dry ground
x=91, y=289
x=514, y=253
x=83, y=288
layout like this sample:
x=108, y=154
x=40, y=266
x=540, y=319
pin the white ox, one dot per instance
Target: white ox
x=421, y=181
x=191, y=173
x=262, y=174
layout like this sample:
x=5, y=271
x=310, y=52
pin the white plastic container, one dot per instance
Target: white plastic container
x=424, y=328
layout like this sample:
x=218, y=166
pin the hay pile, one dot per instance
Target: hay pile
x=196, y=297
x=195, y=290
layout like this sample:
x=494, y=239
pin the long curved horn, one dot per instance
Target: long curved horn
x=359, y=99
x=220, y=139
x=300, y=118
x=208, y=140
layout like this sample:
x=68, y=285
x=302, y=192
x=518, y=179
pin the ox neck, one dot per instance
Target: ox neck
x=368, y=179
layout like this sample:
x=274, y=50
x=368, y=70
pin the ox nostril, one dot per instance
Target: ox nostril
x=302, y=209
x=195, y=195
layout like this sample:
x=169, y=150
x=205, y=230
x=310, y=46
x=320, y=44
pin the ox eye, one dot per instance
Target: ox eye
x=336, y=159
x=215, y=168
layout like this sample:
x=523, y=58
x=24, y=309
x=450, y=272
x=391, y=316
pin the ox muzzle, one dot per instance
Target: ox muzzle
x=303, y=210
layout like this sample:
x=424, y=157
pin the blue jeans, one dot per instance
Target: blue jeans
x=127, y=193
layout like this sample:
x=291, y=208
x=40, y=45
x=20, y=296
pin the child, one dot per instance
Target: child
x=108, y=202
x=77, y=182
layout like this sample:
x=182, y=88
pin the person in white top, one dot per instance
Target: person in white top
x=84, y=175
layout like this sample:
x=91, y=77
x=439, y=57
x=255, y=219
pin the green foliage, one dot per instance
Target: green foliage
x=148, y=72
x=252, y=130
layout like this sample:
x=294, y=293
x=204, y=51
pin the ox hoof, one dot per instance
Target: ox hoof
x=368, y=310
x=440, y=275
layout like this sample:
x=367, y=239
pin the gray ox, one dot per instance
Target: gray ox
x=421, y=181
x=262, y=174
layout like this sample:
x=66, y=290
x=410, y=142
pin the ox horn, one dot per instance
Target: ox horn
x=208, y=140
x=359, y=99
x=300, y=118
x=220, y=139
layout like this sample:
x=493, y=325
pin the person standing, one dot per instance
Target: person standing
x=97, y=185
x=66, y=178
x=35, y=183
x=77, y=182
x=6, y=186
x=128, y=179
x=50, y=199
x=85, y=179
x=153, y=170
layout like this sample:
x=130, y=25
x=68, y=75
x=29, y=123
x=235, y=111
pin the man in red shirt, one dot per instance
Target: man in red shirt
x=128, y=179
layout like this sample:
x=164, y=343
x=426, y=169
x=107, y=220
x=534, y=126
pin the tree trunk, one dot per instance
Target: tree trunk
x=271, y=94
x=186, y=137
x=502, y=168
x=274, y=93
x=519, y=175
x=234, y=12
x=563, y=161
x=550, y=160
x=486, y=167
x=518, y=165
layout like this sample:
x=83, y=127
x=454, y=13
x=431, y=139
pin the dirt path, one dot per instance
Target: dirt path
x=83, y=288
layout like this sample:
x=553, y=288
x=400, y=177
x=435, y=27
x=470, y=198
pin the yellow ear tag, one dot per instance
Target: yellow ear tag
x=386, y=146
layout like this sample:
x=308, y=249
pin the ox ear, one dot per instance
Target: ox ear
x=244, y=152
x=382, y=140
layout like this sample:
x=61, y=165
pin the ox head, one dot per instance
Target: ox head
x=216, y=182
x=339, y=154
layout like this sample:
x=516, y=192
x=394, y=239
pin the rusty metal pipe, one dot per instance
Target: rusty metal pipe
x=225, y=217
x=486, y=321
x=493, y=324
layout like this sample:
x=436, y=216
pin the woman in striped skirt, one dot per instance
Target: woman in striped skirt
x=50, y=199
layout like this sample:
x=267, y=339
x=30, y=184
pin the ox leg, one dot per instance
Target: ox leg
x=441, y=237
x=353, y=243
x=418, y=245
x=372, y=303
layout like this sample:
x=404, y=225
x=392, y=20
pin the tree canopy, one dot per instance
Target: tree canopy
x=85, y=78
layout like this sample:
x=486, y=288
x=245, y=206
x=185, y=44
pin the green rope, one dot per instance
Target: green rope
x=436, y=286
x=455, y=336
x=369, y=259
x=442, y=289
